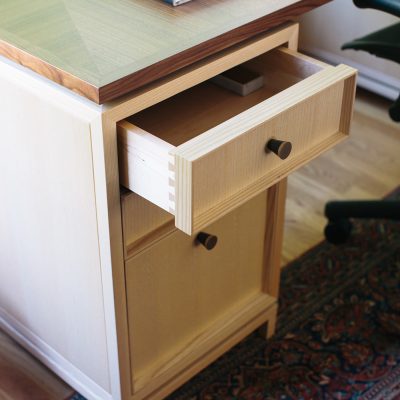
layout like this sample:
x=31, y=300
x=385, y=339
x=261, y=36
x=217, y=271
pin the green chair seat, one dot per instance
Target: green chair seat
x=384, y=43
x=389, y=6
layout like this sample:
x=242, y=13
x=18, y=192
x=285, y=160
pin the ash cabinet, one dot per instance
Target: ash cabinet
x=119, y=297
x=186, y=303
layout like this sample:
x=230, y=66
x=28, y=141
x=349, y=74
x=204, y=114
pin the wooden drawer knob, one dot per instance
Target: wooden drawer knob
x=281, y=148
x=207, y=240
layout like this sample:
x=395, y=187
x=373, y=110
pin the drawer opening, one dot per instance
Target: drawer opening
x=200, y=154
x=204, y=106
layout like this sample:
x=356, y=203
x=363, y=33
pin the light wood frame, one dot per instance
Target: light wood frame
x=119, y=110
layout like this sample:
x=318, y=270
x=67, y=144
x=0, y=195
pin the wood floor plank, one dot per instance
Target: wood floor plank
x=22, y=377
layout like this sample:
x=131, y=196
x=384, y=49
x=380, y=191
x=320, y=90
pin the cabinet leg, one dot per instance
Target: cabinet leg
x=268, y=329
x=271, y=326
x=275, y=215
x=276, y=198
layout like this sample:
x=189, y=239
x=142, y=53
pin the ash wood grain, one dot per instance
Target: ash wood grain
x=52, y=291
x=215, y=343
x=107, y=189
x=276, y=199
x=287, y=115
x=103, y=49
x=273, y=240
x=142, y=220
x=192, y=295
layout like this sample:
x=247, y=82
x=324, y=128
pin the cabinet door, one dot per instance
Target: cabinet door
x=183, y=300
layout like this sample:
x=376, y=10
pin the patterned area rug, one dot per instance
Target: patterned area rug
x=338, y=334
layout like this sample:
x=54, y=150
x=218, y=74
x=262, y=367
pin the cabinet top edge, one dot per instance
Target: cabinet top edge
x=105, y=49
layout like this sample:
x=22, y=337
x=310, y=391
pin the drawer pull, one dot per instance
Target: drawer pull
x=207, y=240
x=281, y=148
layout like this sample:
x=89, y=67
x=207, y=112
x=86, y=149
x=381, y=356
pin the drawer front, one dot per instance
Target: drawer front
x=214, y=172
x=182, y=298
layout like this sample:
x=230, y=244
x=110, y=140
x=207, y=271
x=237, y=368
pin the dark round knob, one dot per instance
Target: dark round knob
x=207, y=240
x=281, y=148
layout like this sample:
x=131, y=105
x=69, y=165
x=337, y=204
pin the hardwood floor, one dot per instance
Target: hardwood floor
x=365, y=166
x=22, y=377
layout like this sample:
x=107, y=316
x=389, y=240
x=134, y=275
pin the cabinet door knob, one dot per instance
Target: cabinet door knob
x=281, y=148
x=207, y=240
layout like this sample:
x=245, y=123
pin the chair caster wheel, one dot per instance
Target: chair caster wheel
x=338, y=232
x=394, y=112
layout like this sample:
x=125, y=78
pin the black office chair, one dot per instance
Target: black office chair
x=384, y=43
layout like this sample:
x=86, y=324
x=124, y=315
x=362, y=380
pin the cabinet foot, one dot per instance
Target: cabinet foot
x=267, y=330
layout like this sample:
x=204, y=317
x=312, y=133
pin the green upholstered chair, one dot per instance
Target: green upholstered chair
x=384, y=43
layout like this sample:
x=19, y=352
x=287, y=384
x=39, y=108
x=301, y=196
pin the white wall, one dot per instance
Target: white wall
x=325, y=29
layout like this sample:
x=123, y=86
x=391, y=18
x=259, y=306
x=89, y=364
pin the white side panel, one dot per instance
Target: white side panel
x=50, y=272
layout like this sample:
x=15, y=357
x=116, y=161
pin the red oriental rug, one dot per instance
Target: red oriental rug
x=338, y=334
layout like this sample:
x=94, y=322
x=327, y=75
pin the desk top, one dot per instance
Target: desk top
x=103, y=49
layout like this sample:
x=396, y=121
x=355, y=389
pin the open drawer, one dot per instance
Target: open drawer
x=202, y=152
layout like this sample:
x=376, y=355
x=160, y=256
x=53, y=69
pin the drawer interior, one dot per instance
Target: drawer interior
x=202, y=107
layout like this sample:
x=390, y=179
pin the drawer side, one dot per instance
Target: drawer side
x=146, y=166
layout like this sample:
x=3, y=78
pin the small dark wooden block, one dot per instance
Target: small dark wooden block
x=239, y=80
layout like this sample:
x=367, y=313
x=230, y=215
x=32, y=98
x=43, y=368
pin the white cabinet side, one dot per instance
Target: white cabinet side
x=51, y=293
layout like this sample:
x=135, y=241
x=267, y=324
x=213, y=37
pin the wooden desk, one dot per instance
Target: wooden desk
x=111, y=288
x=104, y=49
